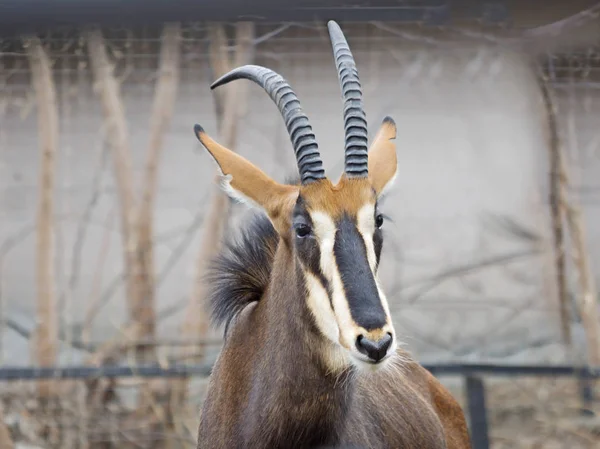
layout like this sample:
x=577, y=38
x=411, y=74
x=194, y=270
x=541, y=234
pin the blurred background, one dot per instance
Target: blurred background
x=492, y=255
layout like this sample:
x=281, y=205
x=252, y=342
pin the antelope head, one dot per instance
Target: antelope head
x=334, y=230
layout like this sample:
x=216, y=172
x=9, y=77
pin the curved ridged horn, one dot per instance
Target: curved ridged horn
x=303, y=139
x=355, y=119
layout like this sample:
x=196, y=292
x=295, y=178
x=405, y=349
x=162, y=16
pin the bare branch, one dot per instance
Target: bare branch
x=434, y=281
x=95, y=296
x=232, y=98
x=219, y=61
x=162, y=113
x=589, y=295
x=118, y=138
x=271, y=34
x=84, y=222
x=183, y=244
x=558, y=27
x=45, y=343
x=557, y=215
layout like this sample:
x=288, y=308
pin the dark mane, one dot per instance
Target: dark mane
x=241, y=273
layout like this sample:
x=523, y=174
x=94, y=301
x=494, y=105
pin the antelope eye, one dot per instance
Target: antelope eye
x=379, y=221
x=302, y=230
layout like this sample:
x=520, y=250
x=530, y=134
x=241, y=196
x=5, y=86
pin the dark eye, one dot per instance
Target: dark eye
x=302, y=230
x=379, y=221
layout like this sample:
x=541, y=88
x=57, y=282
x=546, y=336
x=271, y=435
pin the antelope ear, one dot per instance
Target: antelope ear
x=244, y=181
x=382, y=157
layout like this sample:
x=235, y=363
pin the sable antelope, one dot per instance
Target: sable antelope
x=310, y=355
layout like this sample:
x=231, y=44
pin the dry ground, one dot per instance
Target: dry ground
x=532, y=413
x=524, y=413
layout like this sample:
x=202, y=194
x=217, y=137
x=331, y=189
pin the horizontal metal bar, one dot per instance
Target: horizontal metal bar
x=512, y=370
x=90, y=372
x=25, y=15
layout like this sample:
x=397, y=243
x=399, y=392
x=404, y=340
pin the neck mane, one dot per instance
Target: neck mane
x=287, y=354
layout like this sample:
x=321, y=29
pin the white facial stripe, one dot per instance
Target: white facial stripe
x=318, y=303
x=384, y=301
x=335, y=358
x=325, y=230
x=365, y=220
x=342, y=311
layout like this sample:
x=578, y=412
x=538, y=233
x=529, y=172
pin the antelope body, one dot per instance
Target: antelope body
x=310, y=357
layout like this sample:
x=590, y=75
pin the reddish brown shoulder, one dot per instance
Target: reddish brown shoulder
x=449, y=412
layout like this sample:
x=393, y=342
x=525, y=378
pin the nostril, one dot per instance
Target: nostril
x=375, y=350
x=386, y=342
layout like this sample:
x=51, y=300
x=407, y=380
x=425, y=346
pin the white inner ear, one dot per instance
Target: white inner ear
x=387, y=187
x=236, y=195
x=225, y=185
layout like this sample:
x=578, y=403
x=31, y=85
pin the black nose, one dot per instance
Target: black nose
x=375, y=350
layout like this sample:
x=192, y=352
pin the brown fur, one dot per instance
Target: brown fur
x=347, y=196
x=271, y=387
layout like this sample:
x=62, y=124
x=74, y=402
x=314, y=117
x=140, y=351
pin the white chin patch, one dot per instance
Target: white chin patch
x=366, y=367
x=392, y=361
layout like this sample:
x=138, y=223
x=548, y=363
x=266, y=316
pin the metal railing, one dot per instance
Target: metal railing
x=17, y=16
x=473, y=375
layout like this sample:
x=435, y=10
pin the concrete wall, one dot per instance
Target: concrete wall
x=472, y=166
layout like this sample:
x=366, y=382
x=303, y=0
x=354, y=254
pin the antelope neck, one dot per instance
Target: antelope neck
x=294, y=364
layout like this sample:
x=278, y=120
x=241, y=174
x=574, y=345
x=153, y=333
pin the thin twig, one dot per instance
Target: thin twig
x=557, y=214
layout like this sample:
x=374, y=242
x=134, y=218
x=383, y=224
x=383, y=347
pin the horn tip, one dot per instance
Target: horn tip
x=248, y=71
x=332, y=24
x=229, y=76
